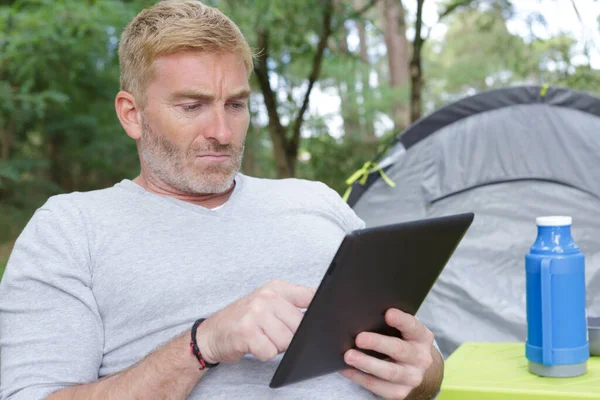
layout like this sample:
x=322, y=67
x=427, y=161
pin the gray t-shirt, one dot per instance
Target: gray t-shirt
x=98, y=280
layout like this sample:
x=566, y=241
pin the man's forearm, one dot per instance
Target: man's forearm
x=432, y=379
x=170, y=372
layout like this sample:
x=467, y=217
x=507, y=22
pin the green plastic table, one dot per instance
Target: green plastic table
x=498, y=371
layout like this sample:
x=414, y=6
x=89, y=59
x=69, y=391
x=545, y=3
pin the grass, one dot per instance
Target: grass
x=2, y=265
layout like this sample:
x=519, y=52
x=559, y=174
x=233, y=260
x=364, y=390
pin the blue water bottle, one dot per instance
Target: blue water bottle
x=557, y=342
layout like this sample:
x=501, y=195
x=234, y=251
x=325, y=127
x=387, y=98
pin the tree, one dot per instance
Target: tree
x=477, y=53
x=59, y=76
x=292, y=40
x=394, y=32
x=286, y=146
x=416, y=69
x=347, y=70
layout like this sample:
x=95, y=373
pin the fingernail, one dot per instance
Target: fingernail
x=350, y=356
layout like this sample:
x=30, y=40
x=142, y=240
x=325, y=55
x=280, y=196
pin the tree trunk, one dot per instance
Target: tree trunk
x=366, y=122
x=276, y=130
x=286, y=150
x=394, y=30
x=362, y=33
x=346, y=88
x=294, y=144
x=416, y=71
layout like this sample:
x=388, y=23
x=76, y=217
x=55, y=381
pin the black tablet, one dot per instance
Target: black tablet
x=374, y=269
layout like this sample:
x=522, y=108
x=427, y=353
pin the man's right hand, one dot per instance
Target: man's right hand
x=262, y=323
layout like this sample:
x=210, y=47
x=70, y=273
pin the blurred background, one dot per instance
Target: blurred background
x=335, y=80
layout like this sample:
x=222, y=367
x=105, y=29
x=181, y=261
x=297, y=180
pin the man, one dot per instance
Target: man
x=187, y=282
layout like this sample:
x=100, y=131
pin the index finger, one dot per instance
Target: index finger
x=411, y=328
x=298, y=295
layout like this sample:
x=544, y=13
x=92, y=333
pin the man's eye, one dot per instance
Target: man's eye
x=238, y=106
x=191, y=107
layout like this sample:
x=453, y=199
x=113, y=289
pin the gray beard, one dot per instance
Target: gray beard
x=171, y=164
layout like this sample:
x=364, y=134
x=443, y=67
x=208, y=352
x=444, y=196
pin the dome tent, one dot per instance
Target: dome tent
x=508, y=155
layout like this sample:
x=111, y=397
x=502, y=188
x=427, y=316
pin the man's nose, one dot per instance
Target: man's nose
x=218, y=128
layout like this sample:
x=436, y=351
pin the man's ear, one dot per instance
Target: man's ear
x=129, y=114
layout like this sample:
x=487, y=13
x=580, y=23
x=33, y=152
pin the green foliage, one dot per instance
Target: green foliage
x=293, y=28
x=60, y=74
x=332, y=160
x=479, y=53
x=12, y=222
x=581, y=78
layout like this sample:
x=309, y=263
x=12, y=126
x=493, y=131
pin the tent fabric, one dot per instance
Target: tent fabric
x=556, y=97
x=509, y=156
x=495, y=99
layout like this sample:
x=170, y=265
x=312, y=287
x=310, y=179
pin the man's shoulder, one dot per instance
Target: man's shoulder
x=64, y=220
x=76, y=202
x=296, y=193
x=291, y=186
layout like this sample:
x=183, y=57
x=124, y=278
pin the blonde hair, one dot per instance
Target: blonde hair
x=173, y=26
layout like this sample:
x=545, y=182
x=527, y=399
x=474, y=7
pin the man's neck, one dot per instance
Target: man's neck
x=208, y=200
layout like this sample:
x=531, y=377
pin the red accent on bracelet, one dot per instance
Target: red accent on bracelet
x=198, y=356
x=196, y=351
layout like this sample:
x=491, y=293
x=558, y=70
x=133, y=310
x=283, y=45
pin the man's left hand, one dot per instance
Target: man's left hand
x=409, y=358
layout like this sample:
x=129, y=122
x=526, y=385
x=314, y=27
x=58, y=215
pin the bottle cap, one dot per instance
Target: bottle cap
x=554, y=221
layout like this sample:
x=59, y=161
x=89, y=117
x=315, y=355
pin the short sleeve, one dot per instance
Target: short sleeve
x=51, y=332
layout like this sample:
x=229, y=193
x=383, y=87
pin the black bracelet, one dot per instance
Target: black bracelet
x=195, y=350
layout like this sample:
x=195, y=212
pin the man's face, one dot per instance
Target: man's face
x=195, y=121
